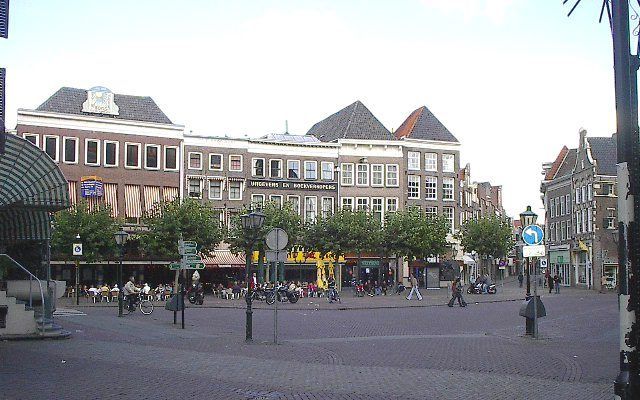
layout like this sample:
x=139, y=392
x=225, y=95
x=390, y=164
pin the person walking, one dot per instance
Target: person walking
x=456, y=290
x=603, y=284
x=520, y=278
x=556, y=283
x=550, y=282
x=414, y=288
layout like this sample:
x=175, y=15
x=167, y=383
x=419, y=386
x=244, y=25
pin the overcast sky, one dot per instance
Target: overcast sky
x=513, y=80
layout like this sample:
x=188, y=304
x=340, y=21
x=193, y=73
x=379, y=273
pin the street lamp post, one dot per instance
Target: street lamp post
x=121, y=239
x=77, y=262
x=527, y=218
x=251, y=224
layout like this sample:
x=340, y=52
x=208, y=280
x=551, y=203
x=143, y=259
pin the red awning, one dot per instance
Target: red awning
x=225, y=259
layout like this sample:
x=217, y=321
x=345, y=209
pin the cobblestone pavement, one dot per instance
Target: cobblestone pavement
x=383, y=351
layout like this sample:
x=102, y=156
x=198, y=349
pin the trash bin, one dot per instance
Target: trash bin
x=527, y=311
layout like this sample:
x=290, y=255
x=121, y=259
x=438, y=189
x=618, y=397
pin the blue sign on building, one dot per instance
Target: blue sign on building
x=91, y=186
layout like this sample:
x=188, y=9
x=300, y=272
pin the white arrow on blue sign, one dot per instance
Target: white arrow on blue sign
x=532, y=235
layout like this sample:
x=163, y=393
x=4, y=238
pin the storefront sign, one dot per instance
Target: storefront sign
x=286, y=185
x=91, y=186
x=370, y=263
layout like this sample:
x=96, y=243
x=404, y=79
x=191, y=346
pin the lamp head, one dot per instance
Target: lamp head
x=528, y=217
x=121, y=237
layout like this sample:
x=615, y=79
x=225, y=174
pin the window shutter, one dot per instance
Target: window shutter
x=605, y=223
x=4, y=18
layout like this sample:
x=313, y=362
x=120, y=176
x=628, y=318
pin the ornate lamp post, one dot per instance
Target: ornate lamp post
x=251, y=224
x=527, y=218
x=77, y=251
x=121, y=239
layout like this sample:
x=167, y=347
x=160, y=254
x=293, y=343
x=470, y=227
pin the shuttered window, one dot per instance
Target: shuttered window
x=151, y=198
x=111, y=197
x=73, y=192
x=169, y=194
x=132, y=204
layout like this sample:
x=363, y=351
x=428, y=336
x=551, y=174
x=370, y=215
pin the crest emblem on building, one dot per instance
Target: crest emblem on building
x=100, y=100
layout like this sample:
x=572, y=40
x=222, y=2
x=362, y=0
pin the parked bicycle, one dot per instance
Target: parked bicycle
x=145, y=306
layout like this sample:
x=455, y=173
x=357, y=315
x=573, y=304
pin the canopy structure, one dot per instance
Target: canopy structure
x=31, y=187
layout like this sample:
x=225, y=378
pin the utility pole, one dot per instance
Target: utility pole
x=627, y=383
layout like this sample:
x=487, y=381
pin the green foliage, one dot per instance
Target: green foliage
x=96, y=229
x=412, y=235
x=284, y=217
x=195, y=221
x=487, y=236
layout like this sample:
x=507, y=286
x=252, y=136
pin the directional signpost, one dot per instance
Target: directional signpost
x=190, y=259
x=276, y=240
x=532, y=236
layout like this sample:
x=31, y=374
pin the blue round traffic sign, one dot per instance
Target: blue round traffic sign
x=532, y=235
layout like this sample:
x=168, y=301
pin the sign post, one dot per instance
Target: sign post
x=276, y=240
x=190, y=259
x=533, y=236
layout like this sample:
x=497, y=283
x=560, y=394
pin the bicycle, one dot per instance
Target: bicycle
x=145, y=306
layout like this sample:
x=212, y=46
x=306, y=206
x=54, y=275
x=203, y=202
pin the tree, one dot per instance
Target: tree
x=195, y=221
x=487, y=236
x=284, y=217
x=96, y=229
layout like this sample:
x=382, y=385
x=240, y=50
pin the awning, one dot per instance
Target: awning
x=169, y=194
x=31, y=186
x=468, y=260
x=133, y=208
x=225, y=259
x=151, y=197
x=111, y=197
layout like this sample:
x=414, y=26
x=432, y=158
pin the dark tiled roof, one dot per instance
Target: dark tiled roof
x=135, y=108
x=352, y=122
x=422, y=124
x=604, y=151
x=568, y=164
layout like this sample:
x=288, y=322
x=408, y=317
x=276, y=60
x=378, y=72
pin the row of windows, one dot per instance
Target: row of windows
x=584, y=193
x=376, y=175
x=430, y=162
x=215, y=188
x=106, y=152
x=583, y=220
x=560, y=206
x=430, y=187
x=310, y=213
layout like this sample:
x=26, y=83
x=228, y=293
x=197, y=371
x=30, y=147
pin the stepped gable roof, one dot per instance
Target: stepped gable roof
x=604, y=151
x=135, y=108
x=422, y=124
x=568, y=164
x=352, y=122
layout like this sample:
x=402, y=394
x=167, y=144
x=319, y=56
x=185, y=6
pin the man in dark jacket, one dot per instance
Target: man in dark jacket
x=457, y=288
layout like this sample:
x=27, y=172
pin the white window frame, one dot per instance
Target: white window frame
x=231, y=156
x=272, y=197
x=280, y=173
x=381, y=210
x=431, y=211
x=258, y=200
x=453, y=217
x=35, y=135
x=294, y=162
x=590, y=191
x=563, y=230
x=209, y=189
x=221, y=162
x=158, y=152
x=86, y=152
x=189, y=160
x=315, y=171
x=589, y=219
x=330, y=170
x=435, y=187
x=365, y=202
x=315, y=211
x=380, y=174
x=562, y=209
x=241, y=190
x=289, y=197
x=428, y=160
x=397, y=175
x=343, y=170
x=577, y=195
x=552, y=207
x=253, y=167
x=189, y=188
x=164, y=164
x=388, y=203
x=366, y=170
x=583, y=191
x=126, y=155
x=331, y=209
x=44, y=146
x=453, y=189
x=104, y=153
x=64, y=149
x=413, y=160
x=552, y=232
x=351, y=203
x=409, y=187
x=453, y=162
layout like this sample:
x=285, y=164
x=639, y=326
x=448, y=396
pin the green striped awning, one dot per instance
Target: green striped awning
x=31, y=186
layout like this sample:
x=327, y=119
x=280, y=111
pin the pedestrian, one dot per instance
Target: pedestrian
x=550, y=282
x=556, y=283
x=520, y=278
x=603, y=284
x=414, y=288
x=456, y=290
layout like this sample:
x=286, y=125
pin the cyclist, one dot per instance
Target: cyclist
x=131, y=291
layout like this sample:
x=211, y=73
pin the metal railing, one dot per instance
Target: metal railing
x=31, y=278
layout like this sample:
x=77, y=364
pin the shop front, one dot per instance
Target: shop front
x=559, y=262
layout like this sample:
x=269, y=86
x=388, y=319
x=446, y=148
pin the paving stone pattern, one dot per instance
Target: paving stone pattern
x=390, y=350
